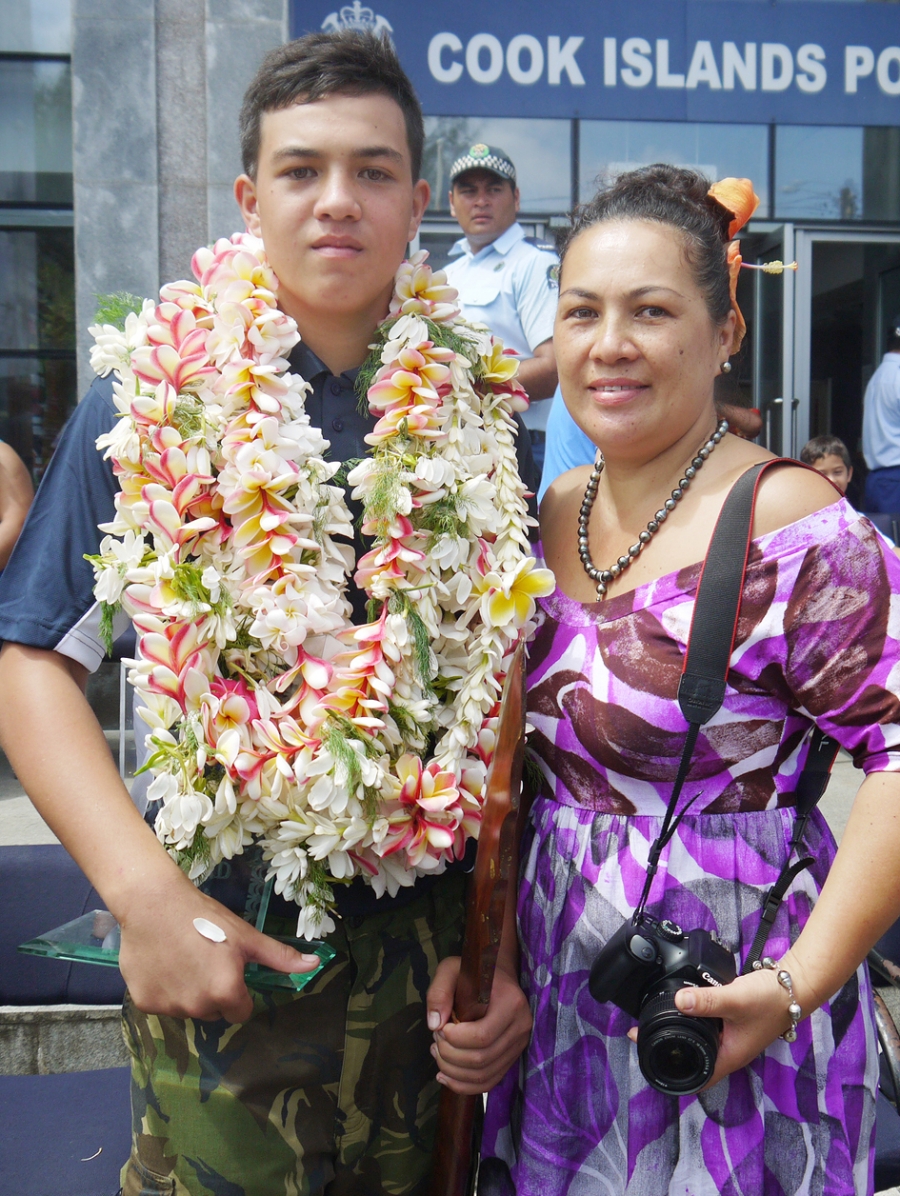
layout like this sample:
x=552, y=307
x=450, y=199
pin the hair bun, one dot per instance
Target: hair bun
x=721, y=215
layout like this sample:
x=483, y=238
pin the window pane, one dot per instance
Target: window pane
x=818, y=172
x=610, y=146
x=881, y=173
x=35, y=132
x=540, y=149
x=36, y=399
x=36, y=26
x=37, y=289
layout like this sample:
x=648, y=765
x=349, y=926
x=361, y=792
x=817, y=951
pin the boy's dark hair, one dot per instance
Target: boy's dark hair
x=678, y=198
x=825, y=446
x=351, y=62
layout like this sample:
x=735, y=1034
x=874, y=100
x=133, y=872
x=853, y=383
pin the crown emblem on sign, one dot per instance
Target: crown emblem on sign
x=356, y=16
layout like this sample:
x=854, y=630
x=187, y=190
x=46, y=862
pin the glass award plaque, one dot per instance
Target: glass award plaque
x=96, y=937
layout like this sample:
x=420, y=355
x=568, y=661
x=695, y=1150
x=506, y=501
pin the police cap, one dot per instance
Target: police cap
x=484, y=157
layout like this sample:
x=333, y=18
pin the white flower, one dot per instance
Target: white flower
x=313, y=923
x=182, y=812
x=451, y=552
x=117, y=559
x=476, y=504
x=122, y=442
x=434, y=471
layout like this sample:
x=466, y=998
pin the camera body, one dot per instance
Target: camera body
x=645, y=963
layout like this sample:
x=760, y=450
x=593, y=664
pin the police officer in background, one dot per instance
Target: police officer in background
x=505, y=280
x=881, y=429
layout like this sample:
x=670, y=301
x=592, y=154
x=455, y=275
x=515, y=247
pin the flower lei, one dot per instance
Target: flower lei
x=344, y=750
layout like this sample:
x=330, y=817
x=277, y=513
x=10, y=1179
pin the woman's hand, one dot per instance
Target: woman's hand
x=753, y=1010
x=473, y=1057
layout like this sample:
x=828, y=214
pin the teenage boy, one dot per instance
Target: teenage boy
x=331, y=1090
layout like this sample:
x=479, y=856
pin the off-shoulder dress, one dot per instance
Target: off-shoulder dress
x=818, y=642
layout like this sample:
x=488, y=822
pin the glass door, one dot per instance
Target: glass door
x=847, y=290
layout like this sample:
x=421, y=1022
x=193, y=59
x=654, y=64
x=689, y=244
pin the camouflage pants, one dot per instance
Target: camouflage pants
x=330, y=1090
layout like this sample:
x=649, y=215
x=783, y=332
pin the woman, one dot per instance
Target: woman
x=646, y=321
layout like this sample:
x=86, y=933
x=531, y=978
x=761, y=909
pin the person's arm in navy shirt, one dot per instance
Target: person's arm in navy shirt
x=49, y=732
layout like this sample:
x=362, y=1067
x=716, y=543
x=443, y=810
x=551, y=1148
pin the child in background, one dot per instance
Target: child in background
x=829, y=455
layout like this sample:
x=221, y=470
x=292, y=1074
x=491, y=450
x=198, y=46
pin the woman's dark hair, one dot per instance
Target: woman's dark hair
x=678, y=198
x=351, y=62
x=825, y=446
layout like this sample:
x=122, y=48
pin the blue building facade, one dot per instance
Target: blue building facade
x=120, y=117
x=801, y=96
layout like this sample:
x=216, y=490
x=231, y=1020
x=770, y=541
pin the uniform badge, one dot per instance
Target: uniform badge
x=479, y=151
x=553, y=275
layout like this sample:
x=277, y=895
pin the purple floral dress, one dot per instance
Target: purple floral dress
x=817, y=640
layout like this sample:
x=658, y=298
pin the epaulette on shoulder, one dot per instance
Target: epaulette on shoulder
x=541, y=243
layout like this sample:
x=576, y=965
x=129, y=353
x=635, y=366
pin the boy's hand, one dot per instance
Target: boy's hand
x=473, y=1057
x=170, y=968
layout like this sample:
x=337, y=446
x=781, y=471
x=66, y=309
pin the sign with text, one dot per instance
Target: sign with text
x=747, y=61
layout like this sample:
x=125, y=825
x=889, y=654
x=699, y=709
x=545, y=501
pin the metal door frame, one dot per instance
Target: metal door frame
x=780, y=239
x=799, y=287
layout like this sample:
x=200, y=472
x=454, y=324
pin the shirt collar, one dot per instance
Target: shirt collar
x=513, y=235
x=309, y=366
x=503, y=244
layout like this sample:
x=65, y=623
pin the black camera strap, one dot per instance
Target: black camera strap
x=701, y=690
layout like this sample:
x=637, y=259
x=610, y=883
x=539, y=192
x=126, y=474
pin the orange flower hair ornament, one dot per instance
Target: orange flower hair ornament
x=738, y=198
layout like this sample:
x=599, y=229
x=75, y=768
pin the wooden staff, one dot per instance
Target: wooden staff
x=491, y=886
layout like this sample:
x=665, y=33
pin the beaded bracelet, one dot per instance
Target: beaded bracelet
x=784, y=979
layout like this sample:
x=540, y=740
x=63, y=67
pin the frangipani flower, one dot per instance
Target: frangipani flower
x=420, y=291
x=424, y=825
x=499, y=366
x=510, y=599
x=165, y=363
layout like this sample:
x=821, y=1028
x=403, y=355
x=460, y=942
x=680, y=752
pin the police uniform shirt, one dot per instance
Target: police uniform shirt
x=881, y=415
x=511, y=286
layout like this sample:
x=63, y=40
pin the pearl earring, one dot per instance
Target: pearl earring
x=726, y=367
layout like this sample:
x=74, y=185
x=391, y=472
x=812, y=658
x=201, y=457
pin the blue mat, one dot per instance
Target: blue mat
x=51, y=1124
x=42, y=887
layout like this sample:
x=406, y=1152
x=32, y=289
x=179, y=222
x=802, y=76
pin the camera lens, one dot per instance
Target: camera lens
x=677, y=1054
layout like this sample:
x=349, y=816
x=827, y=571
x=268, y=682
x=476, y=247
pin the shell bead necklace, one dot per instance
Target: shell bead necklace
x=602, y=577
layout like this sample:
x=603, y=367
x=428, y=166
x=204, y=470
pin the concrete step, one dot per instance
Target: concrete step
x=47, y=1039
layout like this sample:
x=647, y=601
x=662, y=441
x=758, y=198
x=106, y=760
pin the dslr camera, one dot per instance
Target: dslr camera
x=640, y=969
